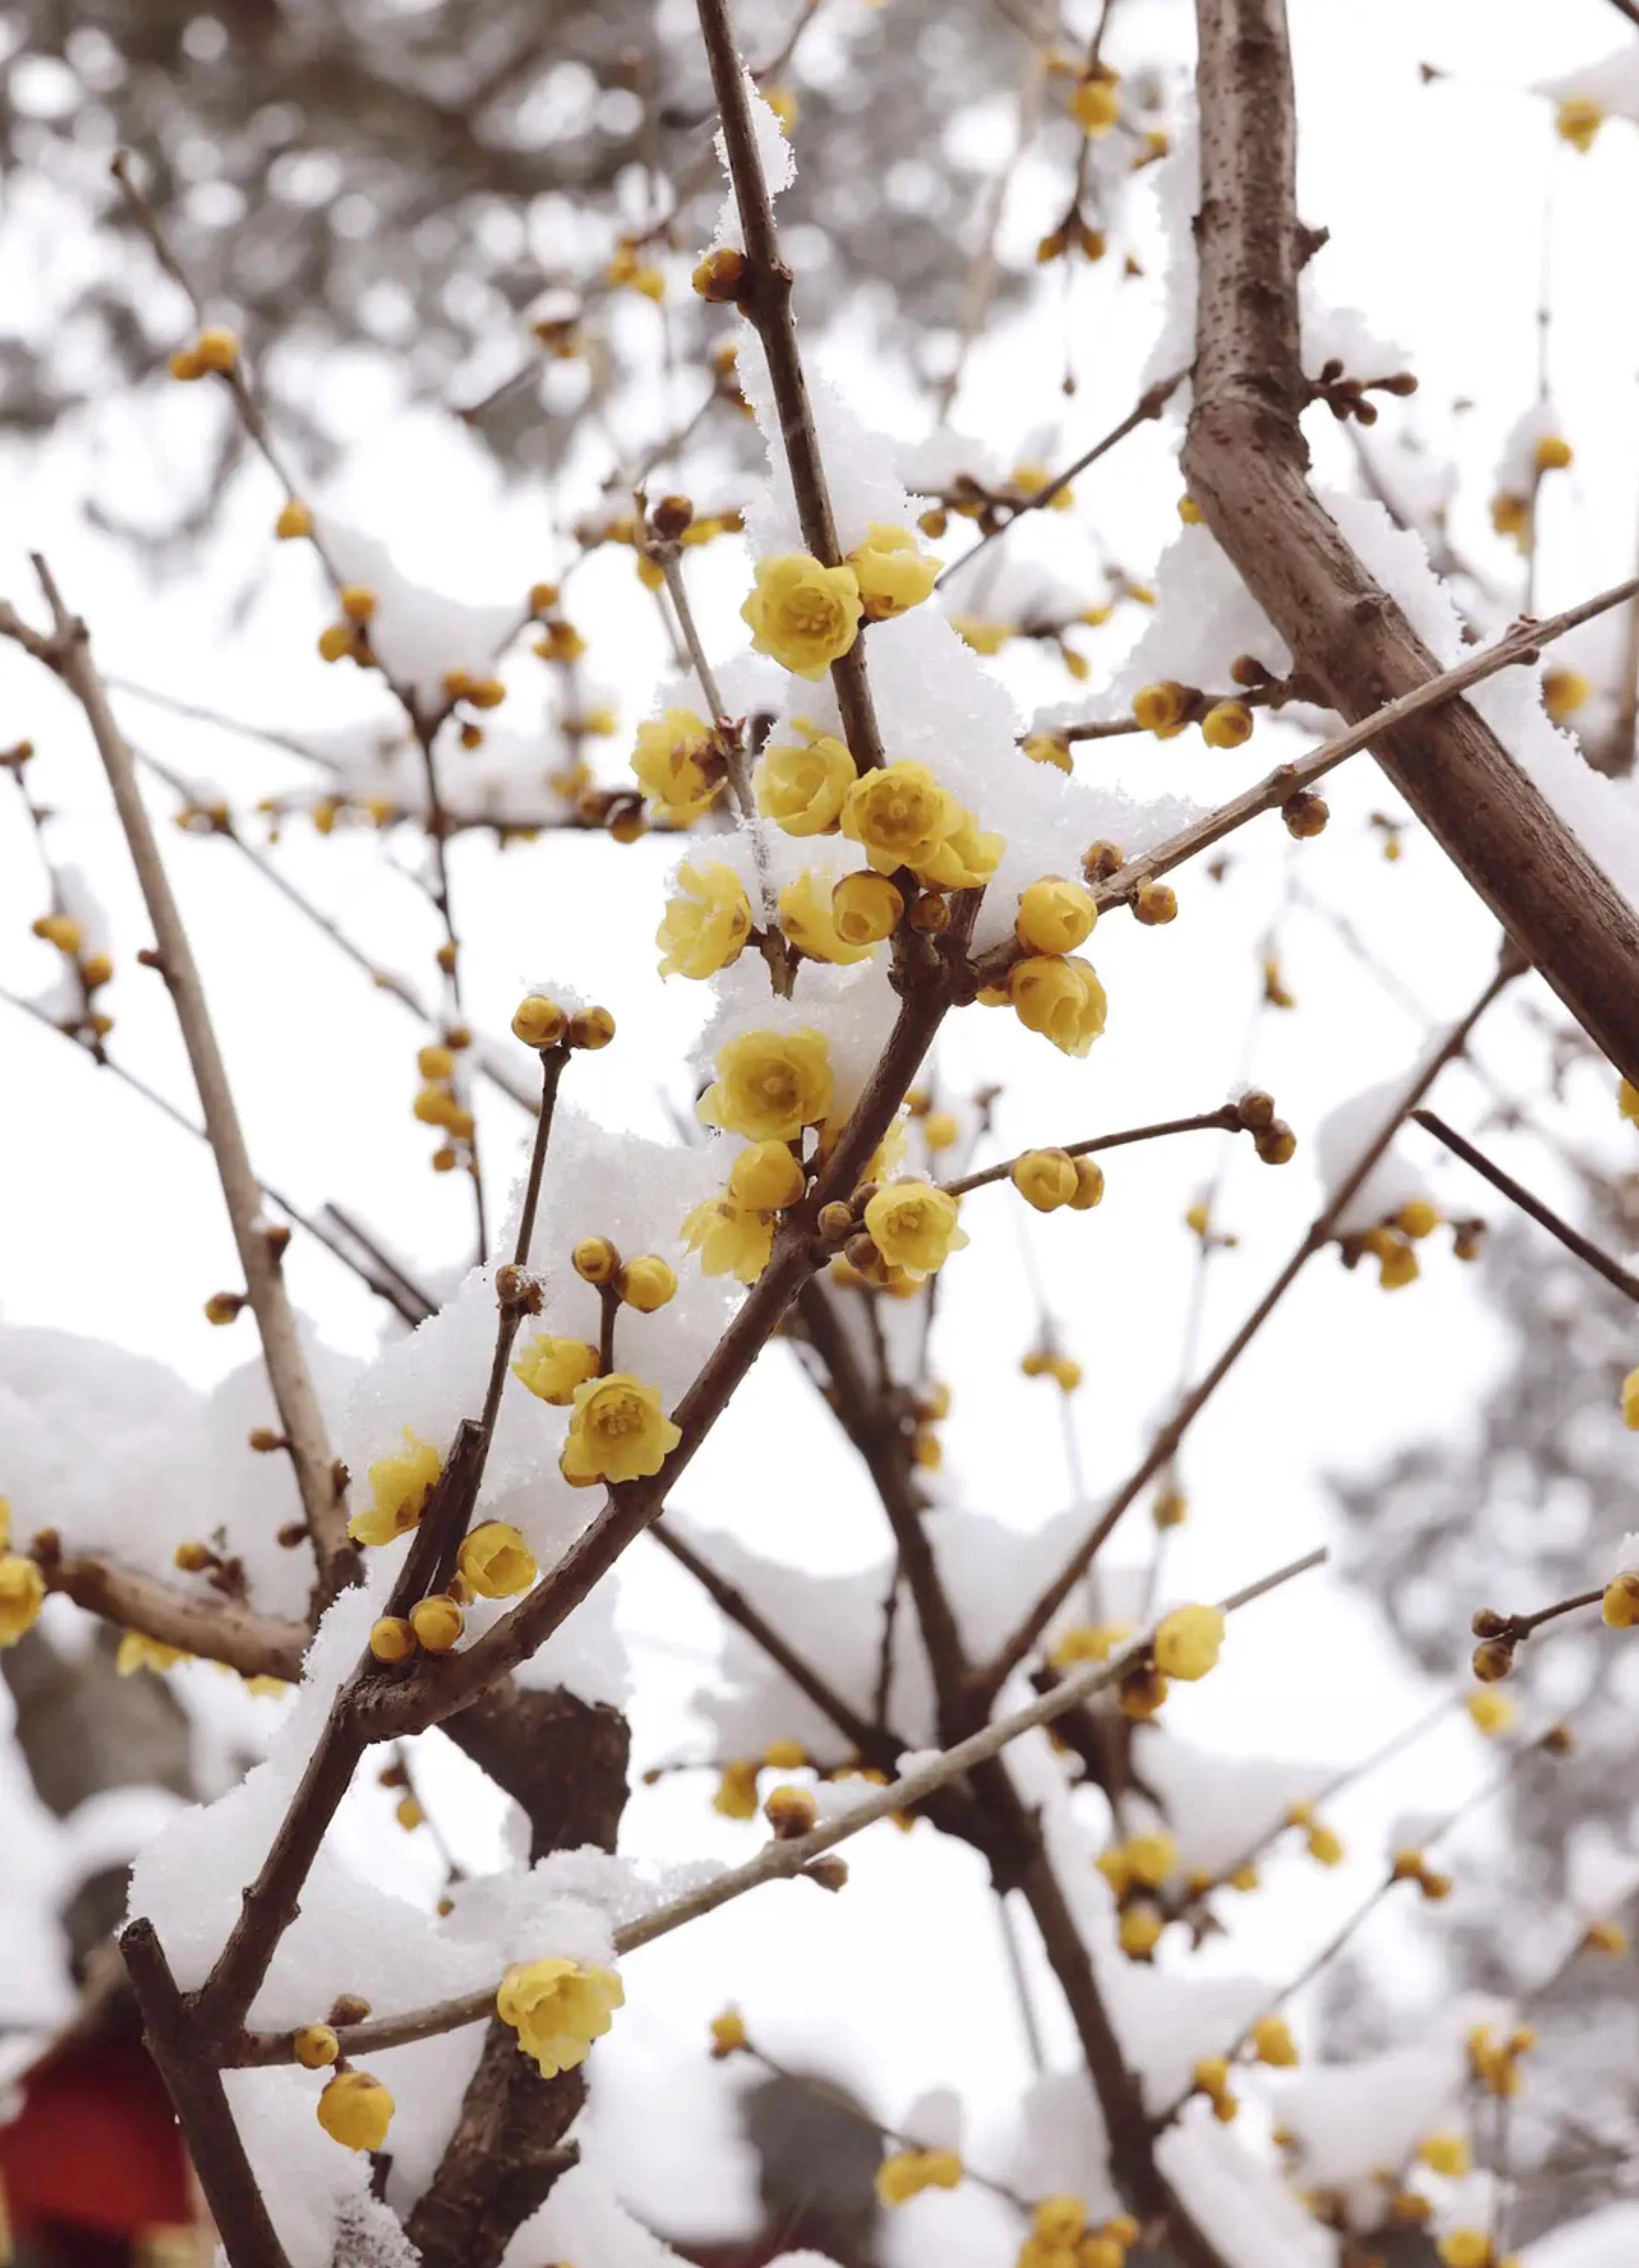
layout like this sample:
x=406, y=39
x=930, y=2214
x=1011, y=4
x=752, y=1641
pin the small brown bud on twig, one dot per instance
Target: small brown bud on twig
x=592, y=1027
x=348, y=2008
x=1493, y=1660
x=1101, y=860
x=1488, y=1623
x=829, y=1871
x=1306, y=815
x=671, y=516
x=835, y=1221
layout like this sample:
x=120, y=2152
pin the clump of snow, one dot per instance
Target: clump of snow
x=418, y=636
x=1253, y=2220
x=1516, y=469
x=1612, y=82
x=1341, y=1140
x=582, y=2221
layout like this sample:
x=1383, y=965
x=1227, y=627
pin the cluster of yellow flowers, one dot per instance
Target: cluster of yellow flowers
x=1495, y=2063
x=806, y=615
x=216, y=350
x=1390, y=1242
x=909, y=2172
x=1211, y=2078
x=93, y=970
x=1047, y=1362
x=1061, y=2237
x=1324, y=1845
x=1579, y=120
x=1411, y=1865
x=1166, y=707
x=438, y=1100
x=22, y=1586
x=737, y=1788
x=558, y=2008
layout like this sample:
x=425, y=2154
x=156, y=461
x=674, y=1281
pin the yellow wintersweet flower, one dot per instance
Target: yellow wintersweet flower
x=1564, y=691
x=1273, y=2042
x=913, y=1225
x=1630, y=1401
x=553, y=1367
x=804, y=615
x=678, y=764
x=495, y=1560
x=770, y=1085
x=356, y=2111
x=965, y=859
x=1188, y=1641
x=1055, y=916
x=1088, y=1642
x=800, y=785
x=983, y=636
x=893, y=571
x=1062, y=999
x=1579, y=120
x=810, y=924
x=557, y=2008
x=767, y=1177
x=618, y=1431
x=728, y=2034
x=737, y=1790
x=1151, y=1858
x=706, y=928
x=138, y=1650
x=1627, y=1102
x=732, y=1239
x=1446, y=2154
x=1095, y=106
x=1620, y=1608
x=1049, y=749
x=399, y=1490
x=22, y=1594
x=1492, y=1712
x=900, y=815
x=909, y=2172
x=1139, y=1929
x=1468, y=2248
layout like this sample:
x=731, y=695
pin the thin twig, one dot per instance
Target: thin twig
x=778, y=1859
x=1164, y=1445
x=1572, y=1238
x=68, y=653
x=1225, y=1117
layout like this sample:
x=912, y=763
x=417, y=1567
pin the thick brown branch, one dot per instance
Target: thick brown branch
x=215, y=1629
x=1246, y=461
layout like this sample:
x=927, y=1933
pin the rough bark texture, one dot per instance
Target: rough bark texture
x=565, y=1761
x=1246, y=462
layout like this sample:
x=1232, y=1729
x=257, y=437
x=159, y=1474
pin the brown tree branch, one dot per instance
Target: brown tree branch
x=1225, y=1118
x=768, y=307
x=1246, y=461
x=1572, y=1238
x=1287, y=780
x=215, y=1627
x=779, y=1859
x=67, y=651
x=1164, y=1448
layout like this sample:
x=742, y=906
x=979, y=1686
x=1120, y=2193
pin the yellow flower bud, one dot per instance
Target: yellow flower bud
x=1416, y=1218
x=737, y=1791
x=1161, y=708
x=357, y=601
x=435, y=1062
x=1620, y=1606
x=1187, y=1641
x=804, y=615
x=1272, y=2041
x=1055, y=916
x=1578, y=120
x=356, y=2111
x=1553, y=453
x=409, y=1813
x=1151, y=1858
x=649, y=1283
x=1325, y=1846
x=392, y=1638
x=1605, y=1937
x=866, y=908
x=22, y=1594
x=728, y=2034
x=1089, y=1185
x=294, y=520
x=809, y=924
x=767, y=1177
x=1139, y=1929
x=494, y=1561
x=538, y=1021
x=1492, y=1712
x=595, y=1260
x=59, y=930
x=1049, y=749
x=1467, y=2248
x=1564, y=691
x=1226, y=724
x=1446, y=2154
x=1045, y=1179
x=1060, y=2219
x=315, y=2046
x=437, y=1622
x=1630, y=1401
